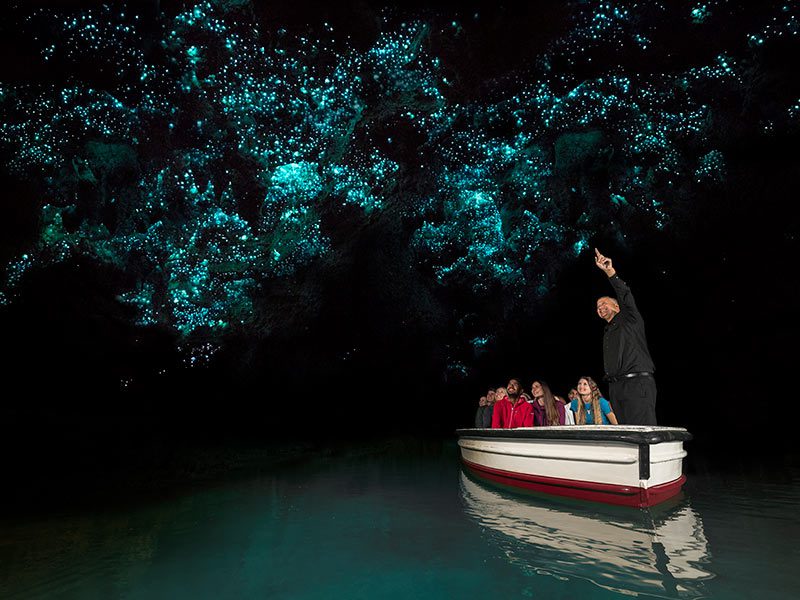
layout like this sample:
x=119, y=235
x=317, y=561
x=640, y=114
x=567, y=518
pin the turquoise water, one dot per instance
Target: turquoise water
x=402, y=521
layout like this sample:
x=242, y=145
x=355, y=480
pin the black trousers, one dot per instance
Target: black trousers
x=634, y=400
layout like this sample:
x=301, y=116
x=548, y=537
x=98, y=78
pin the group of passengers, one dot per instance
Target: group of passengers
x=510, y=406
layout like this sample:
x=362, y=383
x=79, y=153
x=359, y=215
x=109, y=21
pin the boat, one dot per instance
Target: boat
x=656, y=552
x=629, y=465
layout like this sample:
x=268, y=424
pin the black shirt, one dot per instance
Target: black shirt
x=487, y=416
x=479, y=418
x=624, y=342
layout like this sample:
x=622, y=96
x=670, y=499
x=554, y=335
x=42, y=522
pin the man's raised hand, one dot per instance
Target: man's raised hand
x=604, y=263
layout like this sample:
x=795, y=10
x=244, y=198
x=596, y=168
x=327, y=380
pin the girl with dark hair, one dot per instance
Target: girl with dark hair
x=590, y=403
x=546, y=409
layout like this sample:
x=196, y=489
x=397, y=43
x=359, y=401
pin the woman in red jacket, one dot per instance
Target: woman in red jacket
x=512, y=411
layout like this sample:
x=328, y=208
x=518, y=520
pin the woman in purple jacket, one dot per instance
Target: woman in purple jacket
x=546, y=409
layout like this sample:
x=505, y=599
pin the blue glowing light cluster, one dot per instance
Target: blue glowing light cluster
x=215, y=96
x=204, y=162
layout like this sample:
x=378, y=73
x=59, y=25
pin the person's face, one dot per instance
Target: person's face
x=500, y=393
x=573, y=393
x=584, y=388
x=513, y=387
x=607, y=309
x=482, y=401
x=490, y=397
x=536, y=389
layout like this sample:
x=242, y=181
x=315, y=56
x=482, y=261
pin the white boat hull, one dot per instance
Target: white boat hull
x=635, y=466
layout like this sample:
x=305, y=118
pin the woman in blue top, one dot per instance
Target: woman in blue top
x=589, y=403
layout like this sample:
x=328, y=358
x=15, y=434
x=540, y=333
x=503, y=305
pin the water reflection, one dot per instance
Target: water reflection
x=662, y=551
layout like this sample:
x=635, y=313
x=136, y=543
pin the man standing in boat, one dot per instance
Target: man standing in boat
x=626, y=359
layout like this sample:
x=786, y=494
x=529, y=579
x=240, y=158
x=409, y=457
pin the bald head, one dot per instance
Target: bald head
x=607, y=308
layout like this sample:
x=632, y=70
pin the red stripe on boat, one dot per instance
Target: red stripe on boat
x=624, y=495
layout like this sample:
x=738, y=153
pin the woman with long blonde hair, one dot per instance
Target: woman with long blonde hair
x=590, y=403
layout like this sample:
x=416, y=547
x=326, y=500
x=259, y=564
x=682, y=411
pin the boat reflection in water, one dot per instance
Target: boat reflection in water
x=659, y=552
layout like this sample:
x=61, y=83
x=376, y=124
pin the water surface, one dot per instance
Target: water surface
x=403, y=521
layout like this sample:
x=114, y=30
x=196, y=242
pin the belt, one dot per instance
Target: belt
x=627, y=376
